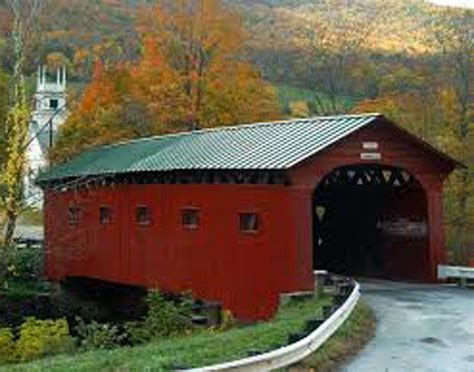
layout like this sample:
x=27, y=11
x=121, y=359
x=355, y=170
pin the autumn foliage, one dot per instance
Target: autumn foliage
x=190, y=75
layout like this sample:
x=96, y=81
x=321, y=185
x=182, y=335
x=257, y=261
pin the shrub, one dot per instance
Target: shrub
x=26, y=264
x=164, y=318
x=137, y=333
x=7, y=346
x=94, y=335
x=39, y=338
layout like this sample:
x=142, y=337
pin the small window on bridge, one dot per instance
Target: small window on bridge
x=143, y=215
x=74, y=215
x=249, y=222
x=105, y=215
x=190, y=219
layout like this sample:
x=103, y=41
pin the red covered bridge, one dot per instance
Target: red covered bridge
x=244, y=214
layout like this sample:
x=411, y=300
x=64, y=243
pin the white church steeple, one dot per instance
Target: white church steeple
x=49, y=114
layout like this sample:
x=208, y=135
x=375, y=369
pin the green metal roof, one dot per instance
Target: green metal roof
x=267, y=146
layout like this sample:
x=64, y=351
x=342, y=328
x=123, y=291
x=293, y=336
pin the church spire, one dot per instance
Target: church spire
x=49, y=114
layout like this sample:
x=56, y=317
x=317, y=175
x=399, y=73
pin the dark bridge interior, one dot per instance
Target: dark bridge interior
x=370, y=220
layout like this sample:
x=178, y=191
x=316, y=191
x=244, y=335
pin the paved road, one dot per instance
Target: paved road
x=420, y=328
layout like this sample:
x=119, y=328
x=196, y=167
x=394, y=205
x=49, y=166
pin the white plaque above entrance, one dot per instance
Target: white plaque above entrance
x=370, y=145
x=371, y=156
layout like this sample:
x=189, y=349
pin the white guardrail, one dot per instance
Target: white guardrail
x=291, y=354
x=445, y=272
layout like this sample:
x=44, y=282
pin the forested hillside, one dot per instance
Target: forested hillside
x=71, y=30
x=345, y=50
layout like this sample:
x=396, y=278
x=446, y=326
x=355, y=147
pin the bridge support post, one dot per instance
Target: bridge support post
x=436, y=251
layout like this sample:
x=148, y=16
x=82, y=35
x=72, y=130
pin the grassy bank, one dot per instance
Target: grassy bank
x=354, y=334
x=194, y=350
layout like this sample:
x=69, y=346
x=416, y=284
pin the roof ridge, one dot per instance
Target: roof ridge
x=236, y=127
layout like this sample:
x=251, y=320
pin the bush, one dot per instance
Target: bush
x=164, y=318
x=93, y=336
x=7, y=346
x=25, y=264
x=39, y=338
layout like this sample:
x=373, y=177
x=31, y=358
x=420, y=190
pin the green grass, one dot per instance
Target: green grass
x=191, y=351
x=346, y=342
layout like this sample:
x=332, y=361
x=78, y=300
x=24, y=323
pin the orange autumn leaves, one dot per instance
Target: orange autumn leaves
x=190, y=74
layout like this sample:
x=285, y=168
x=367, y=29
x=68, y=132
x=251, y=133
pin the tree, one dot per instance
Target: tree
x=74, y=28
x=3, y=136
x=331, y=38
x=201, y=42
x=190, y=75
x=453, y=34
x=418, y=112
x=17, y=123
x=3, y=115
x=107, y=113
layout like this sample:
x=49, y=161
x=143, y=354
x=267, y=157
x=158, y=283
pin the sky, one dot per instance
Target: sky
x=460, y=3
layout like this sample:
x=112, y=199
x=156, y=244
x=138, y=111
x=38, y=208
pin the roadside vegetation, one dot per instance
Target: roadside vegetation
x=179, y=346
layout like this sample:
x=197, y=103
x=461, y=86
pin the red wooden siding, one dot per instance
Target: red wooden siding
x=217, y=261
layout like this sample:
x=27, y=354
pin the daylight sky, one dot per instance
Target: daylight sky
x=461, y=3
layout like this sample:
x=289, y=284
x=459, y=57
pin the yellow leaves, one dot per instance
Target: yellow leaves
x=383, y=26
x=57, y=60
x=7, y=345
x=240, y=97
x=12, y=176
x=187, y=32
x=299, y=109
x=39, y=338
x=80, y=55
